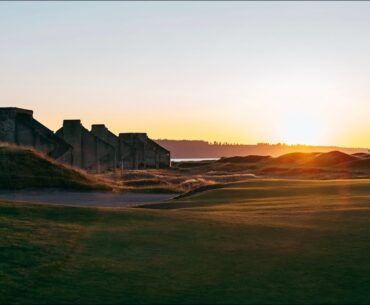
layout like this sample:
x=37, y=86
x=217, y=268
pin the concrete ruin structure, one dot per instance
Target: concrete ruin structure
x=134, y=150
x=89, y=151
x=18, y=126
x=138, y=151
x=96, y=150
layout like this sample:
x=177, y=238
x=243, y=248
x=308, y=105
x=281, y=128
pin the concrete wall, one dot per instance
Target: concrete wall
x=137, y=151
x=98, y=150
x=7, y=124
x=157, y=156
x=130, y=151
x=103, y=133
x=165, y=160
x=89, y=151
x=161, y=156
x=19, y=127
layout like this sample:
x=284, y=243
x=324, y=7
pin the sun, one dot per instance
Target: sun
x=302, y=128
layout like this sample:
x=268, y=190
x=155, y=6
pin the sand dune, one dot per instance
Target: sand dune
x=329, y=160
x=332, y=158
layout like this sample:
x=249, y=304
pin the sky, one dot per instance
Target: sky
x=246, y=72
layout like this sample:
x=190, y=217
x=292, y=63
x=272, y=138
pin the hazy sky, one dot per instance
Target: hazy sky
x=295, y=72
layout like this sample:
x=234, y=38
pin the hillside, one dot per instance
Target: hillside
x=298, y=165
x=332, y=158
x=203, y=149
x=187, y=176
x=26, y=168
x=293, y=159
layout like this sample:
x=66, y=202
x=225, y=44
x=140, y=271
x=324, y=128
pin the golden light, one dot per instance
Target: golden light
x=302, y=128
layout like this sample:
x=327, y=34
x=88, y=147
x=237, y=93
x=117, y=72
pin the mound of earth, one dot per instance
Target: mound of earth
x=331, y=158
x=362, y=155
x=246, y=159
x=362, y=164
x=294, y=158
x=191, y=164
x=26, y=168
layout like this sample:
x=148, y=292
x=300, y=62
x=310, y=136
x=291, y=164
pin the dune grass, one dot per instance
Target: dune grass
x=268, y=241
x=188, y=176
x=24, y=167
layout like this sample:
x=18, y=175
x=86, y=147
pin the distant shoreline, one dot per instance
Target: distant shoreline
x=189, y=149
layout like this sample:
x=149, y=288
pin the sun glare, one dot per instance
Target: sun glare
x=302, y=129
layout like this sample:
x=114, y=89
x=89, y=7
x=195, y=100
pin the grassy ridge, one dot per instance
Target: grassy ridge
x=26, y=168
x=330, y=165
x=236, y=246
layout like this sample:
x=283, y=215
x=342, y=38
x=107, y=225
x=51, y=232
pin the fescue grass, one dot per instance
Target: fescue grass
x=24, y=167
x=188, y=176
x=174, y=180
x=256, y=242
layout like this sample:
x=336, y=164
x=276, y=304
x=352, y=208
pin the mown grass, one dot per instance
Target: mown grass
x=254, y=242
x=269, y=190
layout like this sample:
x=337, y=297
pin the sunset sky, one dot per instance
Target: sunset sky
x=247, y=72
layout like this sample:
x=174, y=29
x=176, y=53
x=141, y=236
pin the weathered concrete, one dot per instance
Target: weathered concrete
x=163, y=156
x=134, y=150
x=89, y=151
x=137, y=151
x=19, y=127
x=98, y=150
x=103, y=133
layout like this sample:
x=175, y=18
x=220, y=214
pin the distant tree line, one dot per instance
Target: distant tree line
x=217, y=149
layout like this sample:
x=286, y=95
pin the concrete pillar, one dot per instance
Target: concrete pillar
x=135, y=164
x=97, y=155
x=72, y=134
x=7, y=125
x=156, y=159
x=100, y=131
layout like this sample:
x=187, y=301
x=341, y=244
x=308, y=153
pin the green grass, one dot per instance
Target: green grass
x=261, y=241
x=266, y=191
